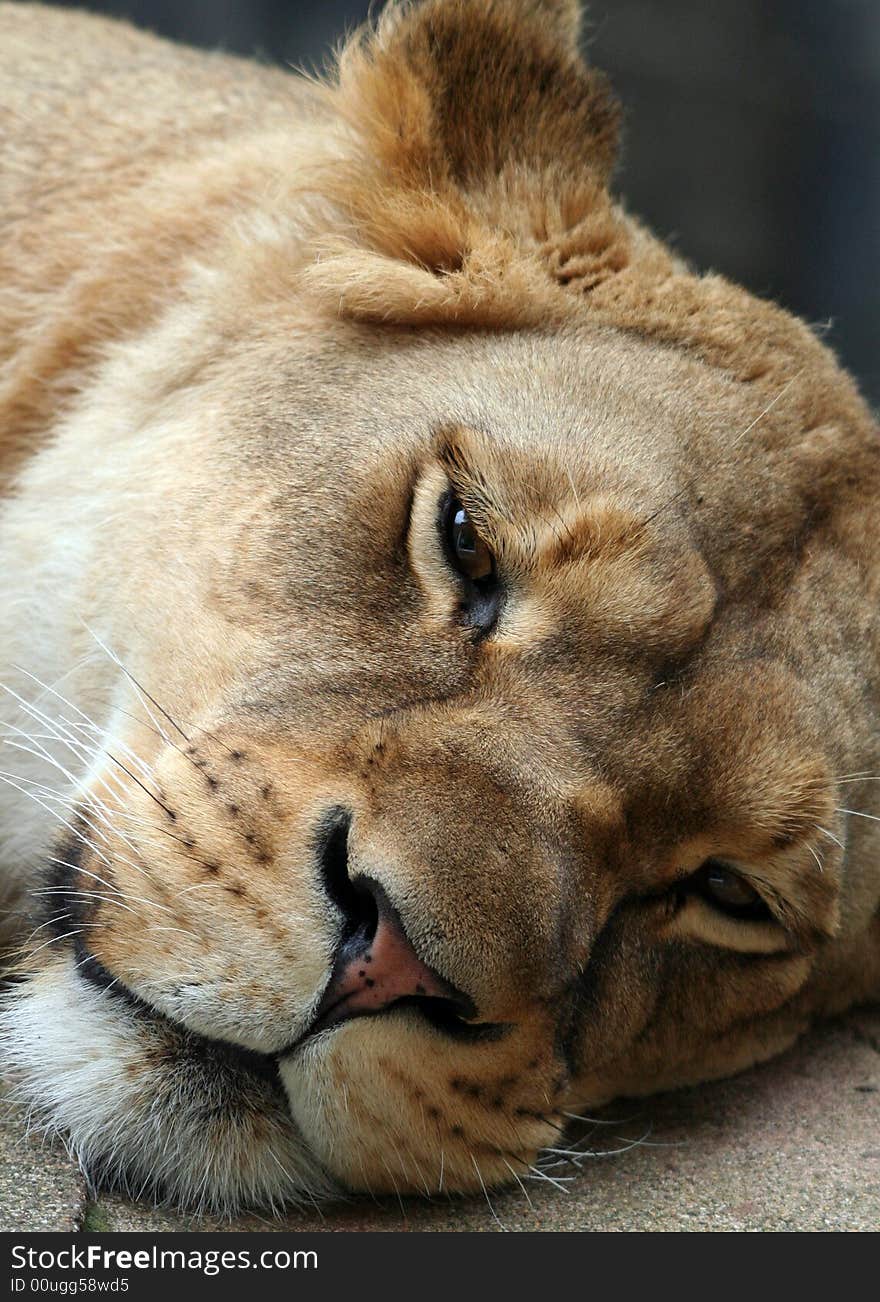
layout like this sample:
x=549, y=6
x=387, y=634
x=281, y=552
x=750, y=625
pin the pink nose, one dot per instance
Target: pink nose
x=371, y=976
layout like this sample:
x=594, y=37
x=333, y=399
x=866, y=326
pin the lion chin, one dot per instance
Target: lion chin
x=440, y=631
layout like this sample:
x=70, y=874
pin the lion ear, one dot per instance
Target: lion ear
x=458, y=91
x=476, y=149
x=563, y=17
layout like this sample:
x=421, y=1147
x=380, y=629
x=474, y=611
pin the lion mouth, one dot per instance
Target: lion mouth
x=337, y=1006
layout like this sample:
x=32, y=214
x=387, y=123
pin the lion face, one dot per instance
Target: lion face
x=459, y=725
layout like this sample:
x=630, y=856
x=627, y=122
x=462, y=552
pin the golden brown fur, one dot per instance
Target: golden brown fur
x=252, y=328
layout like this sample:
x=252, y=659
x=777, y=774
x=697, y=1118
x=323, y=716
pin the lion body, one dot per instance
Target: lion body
x=250, y=326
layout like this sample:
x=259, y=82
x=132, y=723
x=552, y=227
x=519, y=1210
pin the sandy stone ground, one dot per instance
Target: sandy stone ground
x=793, y=1145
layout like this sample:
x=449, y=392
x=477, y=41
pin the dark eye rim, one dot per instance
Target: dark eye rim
x=755, y=910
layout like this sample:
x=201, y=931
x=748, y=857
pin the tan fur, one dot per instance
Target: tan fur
x=252, y=327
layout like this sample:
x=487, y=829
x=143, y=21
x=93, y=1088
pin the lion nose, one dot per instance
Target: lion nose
x=372, y=972
x=376, y=965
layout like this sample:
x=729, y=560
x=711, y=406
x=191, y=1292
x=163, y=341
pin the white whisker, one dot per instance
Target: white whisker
x=770, y=405
x=857, y=814
x=830, y=835
x=82, y=895
x=495, y=1215
x=519, y=1182
x=816, y=857
x=54, y=814
x=556, y=1180
x=56, y=940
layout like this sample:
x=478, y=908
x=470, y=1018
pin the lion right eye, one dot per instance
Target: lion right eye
x=727, y=889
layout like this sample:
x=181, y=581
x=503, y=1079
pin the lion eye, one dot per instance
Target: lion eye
x=721, y=884
x=467, y=551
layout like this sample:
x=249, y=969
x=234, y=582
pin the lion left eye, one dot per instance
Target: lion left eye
x=467, y=551
x=722, y=885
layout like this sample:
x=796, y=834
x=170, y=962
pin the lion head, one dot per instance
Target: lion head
x=447, y=625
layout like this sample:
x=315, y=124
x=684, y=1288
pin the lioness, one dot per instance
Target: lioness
x=440, y=630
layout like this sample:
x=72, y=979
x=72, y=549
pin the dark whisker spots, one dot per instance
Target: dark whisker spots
x=470, y=1088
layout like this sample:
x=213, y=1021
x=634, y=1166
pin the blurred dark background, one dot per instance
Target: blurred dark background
x=752, y=138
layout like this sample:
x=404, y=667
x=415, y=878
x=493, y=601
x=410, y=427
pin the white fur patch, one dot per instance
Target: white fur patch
x=147, y=1106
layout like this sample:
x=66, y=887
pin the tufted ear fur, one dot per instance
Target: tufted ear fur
x=477, y=139
x=464, y=89
x=565, y=14
x=561, y=18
